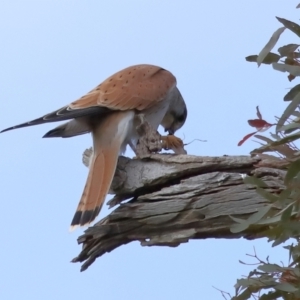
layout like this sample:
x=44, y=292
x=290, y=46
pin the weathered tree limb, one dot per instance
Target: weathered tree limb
x=179, y=197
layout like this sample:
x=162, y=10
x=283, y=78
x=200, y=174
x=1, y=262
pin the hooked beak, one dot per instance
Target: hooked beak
x=171, y=131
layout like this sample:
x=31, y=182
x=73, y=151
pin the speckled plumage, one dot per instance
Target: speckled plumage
x=108, y=112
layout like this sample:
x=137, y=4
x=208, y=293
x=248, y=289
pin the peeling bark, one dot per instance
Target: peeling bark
x=174, y=198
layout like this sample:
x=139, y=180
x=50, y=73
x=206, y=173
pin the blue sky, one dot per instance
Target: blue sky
x=53, y=52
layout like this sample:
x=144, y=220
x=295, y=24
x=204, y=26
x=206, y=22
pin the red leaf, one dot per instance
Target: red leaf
x=258, y=123
x=258, y=113
x=245, y=138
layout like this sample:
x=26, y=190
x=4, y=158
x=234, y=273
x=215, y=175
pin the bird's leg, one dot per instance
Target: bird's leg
x=149, y=141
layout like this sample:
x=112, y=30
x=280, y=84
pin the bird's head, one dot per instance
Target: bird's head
x=176, y=114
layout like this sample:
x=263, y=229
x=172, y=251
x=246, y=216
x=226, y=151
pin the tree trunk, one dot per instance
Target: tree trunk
x=174, y=198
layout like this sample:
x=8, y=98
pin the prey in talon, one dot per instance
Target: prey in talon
x=172, y=142
x=108, y=113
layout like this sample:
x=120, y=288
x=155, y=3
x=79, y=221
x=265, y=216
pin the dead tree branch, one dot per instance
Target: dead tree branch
x=174, y=198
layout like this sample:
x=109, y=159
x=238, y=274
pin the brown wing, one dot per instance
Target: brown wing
x=136, y=87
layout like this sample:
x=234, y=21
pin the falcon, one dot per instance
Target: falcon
x=109, y=113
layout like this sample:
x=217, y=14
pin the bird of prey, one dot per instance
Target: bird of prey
x=109, y=112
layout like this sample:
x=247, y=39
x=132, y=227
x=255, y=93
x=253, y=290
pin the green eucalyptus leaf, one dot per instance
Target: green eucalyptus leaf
x=290, y=25
x=263, y=138
x=288, y=112
x=256, y=217
x=287, y=212
x=269, y=268
x=290, y=126
x=255, y=181
x=292, y=69
x=269, y=221
x=237, y=220
x=288, y=49
x=292, y=93
x=269, y=59
x=285, y=194
x=287, y=139
x=270, y=45
x=286, y=287
x=235, y=228
x=267, y=195
x=293, y=171
x=271, y=295
x=246, y=294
